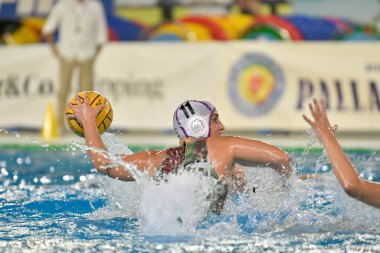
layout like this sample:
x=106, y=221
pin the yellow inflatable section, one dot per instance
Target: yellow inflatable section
x=233, y=25
x=28, y=32
x=240, y=23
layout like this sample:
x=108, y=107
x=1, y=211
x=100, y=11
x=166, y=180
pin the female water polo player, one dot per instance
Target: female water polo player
x=353, y=185
x=202, y=147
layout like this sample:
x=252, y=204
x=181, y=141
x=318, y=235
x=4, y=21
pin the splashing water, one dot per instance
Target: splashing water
x=115, y=152
x=175, y=207
x=179, y=206
x=90, y=212
x=170, y=207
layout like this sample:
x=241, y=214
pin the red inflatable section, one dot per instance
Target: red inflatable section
x=216, y=31
x=279, y=23
x=112, y=36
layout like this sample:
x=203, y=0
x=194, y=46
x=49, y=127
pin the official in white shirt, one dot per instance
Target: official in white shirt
x=82, y=30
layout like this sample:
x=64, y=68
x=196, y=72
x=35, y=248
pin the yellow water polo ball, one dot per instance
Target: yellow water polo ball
x=103, y=120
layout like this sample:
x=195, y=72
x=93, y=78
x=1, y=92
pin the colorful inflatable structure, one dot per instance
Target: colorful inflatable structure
x=16, y=29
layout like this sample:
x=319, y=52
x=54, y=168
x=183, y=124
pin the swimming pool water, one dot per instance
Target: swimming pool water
x=51, y=200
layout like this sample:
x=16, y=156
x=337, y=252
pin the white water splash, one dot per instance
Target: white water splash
x=115, y=145
x=169, y=208
x=115, y=152
x=175, y=207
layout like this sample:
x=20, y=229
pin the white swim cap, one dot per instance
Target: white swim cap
x=192, y=119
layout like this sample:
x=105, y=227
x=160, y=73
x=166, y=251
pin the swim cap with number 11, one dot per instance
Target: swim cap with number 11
x=193, y=118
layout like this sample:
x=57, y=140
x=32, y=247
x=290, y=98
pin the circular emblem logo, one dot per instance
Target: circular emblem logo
x=256, y=83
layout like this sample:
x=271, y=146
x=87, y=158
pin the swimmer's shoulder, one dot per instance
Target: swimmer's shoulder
x=225, y=139
x=220, y=141
x=229, y=141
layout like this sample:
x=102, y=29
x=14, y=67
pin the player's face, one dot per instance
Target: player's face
x=216, y=127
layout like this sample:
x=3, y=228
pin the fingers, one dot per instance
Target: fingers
x=317, y=109
x=99, y=107
x=307, y=120
x=86, y=97
x=77, y=99
x=311, y=108
x=72, y=116
x=322, y=106
x=316, y=106
x=75, y=107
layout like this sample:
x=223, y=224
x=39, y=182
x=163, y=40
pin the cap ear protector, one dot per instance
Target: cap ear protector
x=198, y=126
x=193, y=118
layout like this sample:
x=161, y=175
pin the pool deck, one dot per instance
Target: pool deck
x=347, y=140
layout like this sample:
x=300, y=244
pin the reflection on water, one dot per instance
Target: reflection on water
x=53, y=200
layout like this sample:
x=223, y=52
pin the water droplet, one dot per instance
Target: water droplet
x=4, y=171
x=22, y=184
x=19, y=160
x=68, y=177
x=45, y=180
x=28, y=160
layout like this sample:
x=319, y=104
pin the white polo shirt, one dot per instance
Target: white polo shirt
x=81, y=27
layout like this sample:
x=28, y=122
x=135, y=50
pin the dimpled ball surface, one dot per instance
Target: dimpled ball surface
x=103, y=120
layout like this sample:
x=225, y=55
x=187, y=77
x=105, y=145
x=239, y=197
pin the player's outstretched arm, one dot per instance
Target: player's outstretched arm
x=87, y=114
x=345, y=172
x=250, y=152
x=97, y=150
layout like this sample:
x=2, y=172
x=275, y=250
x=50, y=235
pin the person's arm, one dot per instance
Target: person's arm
x=146, y=160
x=49, y=37
x=260, y=153
x=353, y=185
x=102, y=33
x=248, y=152
x=51, y=25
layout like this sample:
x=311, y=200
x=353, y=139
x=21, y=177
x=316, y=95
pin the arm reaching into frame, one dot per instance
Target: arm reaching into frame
x=356, y=187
